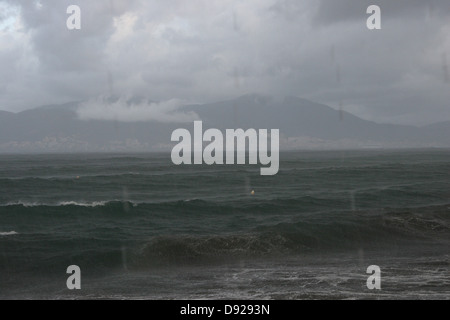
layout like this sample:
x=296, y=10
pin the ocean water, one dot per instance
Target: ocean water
x=140, y=227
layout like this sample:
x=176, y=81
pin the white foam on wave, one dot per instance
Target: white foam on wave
x=82, y=204
x=68, y=203
x=62, y=203
x=21, y=203
x=10, y=233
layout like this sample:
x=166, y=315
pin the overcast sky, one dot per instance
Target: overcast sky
x=209, y=50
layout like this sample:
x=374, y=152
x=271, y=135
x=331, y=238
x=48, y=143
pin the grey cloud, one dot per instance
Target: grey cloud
x=214, y=50
x=122, y=110
x=332, y=11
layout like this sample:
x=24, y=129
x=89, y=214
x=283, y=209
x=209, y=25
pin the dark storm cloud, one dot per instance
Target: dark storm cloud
x=395, y=74
x=212, y=50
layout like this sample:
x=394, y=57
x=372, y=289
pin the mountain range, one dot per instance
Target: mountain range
x=303, y=125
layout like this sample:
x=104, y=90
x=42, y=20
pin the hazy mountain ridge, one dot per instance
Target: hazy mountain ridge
x=303, y=125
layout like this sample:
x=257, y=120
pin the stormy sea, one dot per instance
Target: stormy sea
x=140, y=227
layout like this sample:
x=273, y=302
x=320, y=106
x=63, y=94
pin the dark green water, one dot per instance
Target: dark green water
x=140, y=227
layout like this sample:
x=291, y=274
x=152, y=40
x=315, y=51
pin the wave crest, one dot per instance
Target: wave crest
x=9, y=233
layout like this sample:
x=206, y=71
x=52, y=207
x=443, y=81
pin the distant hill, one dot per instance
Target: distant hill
x=303, y=125
x=438, y=131
x=297, y=117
